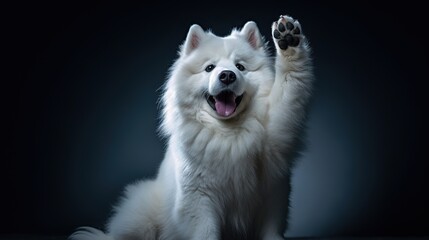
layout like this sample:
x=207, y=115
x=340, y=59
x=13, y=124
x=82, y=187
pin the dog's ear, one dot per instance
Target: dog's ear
x=251, y=33
x=193, y=39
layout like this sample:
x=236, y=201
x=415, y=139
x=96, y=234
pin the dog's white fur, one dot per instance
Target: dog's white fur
x=222, y=177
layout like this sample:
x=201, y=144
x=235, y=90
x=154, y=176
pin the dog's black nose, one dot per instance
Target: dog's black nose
x=227, y=77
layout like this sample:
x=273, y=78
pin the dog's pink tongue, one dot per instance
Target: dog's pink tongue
x=225, y=104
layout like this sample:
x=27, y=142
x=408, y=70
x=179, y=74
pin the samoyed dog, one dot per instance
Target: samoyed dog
x=233, y=116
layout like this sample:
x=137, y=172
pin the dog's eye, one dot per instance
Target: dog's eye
x=210, y=68
x=240, y=67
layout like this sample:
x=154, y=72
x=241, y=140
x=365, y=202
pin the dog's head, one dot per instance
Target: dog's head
x=218, y=75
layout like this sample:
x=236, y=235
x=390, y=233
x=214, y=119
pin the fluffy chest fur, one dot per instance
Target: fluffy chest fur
x=225, y=163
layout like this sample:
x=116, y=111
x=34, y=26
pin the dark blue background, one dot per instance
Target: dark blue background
x=80, y=99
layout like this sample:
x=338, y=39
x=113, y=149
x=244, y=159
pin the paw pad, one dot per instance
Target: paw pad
x=287, y=32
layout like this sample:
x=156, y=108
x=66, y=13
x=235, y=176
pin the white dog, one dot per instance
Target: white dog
x=233, y=119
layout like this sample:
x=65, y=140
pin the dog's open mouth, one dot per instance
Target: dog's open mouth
x=225, y=103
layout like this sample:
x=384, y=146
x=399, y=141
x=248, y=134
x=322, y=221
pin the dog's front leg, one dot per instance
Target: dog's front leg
x=288, y=102
x=293, y=81
x=199, y=218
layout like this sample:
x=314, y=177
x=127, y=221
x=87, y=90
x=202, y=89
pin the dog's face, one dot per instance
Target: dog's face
x=220, y=75
x=226, y=86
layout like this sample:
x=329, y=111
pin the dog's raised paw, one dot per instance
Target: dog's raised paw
x=286, y=32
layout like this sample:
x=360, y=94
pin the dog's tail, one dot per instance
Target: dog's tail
x=89, y=233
